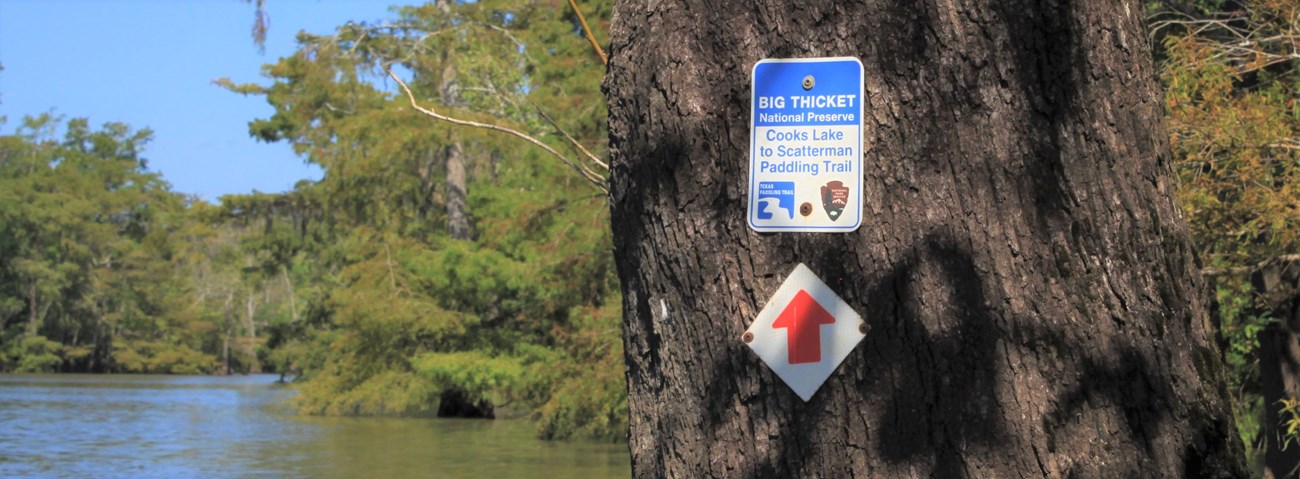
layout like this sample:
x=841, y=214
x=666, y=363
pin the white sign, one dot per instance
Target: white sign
x=804, y=332
x=805, y=155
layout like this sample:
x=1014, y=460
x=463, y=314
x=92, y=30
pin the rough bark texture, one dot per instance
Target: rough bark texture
x=1033, y=305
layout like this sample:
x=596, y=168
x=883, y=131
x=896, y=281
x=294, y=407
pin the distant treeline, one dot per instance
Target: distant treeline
x=449, y=270
x=434, y=270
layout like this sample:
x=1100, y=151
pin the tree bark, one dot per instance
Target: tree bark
x=457, y=217
x=288, y=288
x=250, y=342
x=1032, y=301
x=228, y=328
x=457, y=187
x=99, y=353
x=31, y=309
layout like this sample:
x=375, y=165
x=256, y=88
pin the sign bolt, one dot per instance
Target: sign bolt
x=808, y=82
x=862, y=328
x=805, y=209
x=748, y=337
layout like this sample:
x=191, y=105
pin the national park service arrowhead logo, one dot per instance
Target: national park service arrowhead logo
x=834, y=197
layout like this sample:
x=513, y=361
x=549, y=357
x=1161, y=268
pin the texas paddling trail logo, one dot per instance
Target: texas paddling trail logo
x=834, y=197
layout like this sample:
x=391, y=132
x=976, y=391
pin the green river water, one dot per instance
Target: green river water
x=115, y=426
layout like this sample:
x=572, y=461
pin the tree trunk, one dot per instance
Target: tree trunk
x=31, y=309
x=97, y=353
x=250, y=342
x=288, y=288
x=228, y=328
x=457, y=217
x=1279, y=361
x=1032, y=303
x=1279, y=349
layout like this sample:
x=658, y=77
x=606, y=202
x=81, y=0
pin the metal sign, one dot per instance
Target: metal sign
x=804, y=332
x=805, y=156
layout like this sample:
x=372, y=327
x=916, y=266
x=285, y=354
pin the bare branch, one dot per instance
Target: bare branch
x=1238, y=38
x=604, y=60
x=596, y=180
x=518, y=43
x=1240, y=270
x=571, y=140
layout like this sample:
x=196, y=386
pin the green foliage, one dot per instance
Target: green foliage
x=36, y=354
x=589, y=396
x=1240, y=323
x=353, y=283
x=499, y=379
x=99, y=258
x=85, y=254
x=524, y=314
x=134, y=356
x=384, y=392
x=1231, y=89
x=1233, y=121
x=1289, y=410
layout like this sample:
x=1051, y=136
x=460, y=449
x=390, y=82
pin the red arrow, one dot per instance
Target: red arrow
x=802, y=318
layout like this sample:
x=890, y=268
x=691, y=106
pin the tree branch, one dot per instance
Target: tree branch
x=1241, y=270
x=596, y=180
x=1244, y=39
x=604, y=60
x=572, y=140
x=1286, y=145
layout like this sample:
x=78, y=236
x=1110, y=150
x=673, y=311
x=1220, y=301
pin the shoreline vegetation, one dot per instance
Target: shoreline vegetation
x=434, y=270
x=443, y=270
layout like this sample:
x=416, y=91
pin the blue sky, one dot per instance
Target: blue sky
x=150, y=63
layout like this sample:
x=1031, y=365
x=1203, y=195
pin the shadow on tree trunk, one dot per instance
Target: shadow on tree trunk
x=1029, y=290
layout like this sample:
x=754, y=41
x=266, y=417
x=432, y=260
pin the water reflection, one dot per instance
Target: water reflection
x=177, y=427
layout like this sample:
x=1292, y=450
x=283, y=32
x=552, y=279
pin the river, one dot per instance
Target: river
x=116, y=426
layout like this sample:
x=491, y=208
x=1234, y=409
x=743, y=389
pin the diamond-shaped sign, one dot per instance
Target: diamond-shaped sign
x=804, y=332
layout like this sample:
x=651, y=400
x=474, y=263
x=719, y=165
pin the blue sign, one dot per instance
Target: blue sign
x=805, y=169
x=775, y=198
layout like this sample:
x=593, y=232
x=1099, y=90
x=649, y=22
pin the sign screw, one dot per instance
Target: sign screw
x=862, y=328
x=808, y=82
x=805, y=209
x=748, y=337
